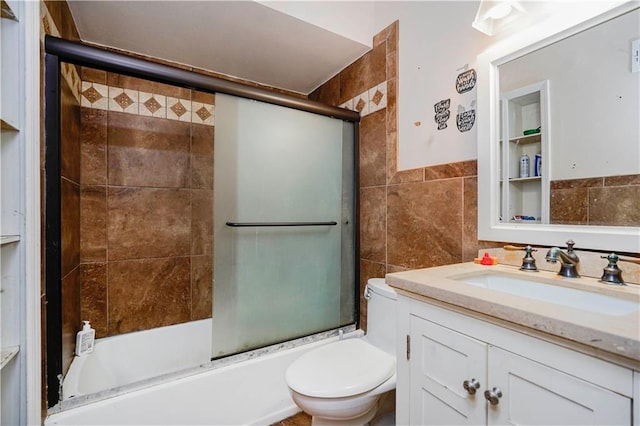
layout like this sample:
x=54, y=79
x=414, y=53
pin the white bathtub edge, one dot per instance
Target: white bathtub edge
x=206, y=383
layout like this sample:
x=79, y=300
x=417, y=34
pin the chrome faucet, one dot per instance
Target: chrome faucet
x=568, y=260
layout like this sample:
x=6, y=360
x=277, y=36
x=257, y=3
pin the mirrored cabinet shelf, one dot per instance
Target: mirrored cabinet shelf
x=8, y=239
x=523, y=184
x=7, y=354
x=6, y=125
x=534, y=138
x=525, y=179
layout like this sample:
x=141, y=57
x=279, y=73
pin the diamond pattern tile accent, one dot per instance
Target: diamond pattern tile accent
x=365, y=103
x=369, y=101
x=111, y=98
x=203, y=113
x=178, y=109
x=123, y=100
x=377, y=97
x=92, y=95
x=152, y=105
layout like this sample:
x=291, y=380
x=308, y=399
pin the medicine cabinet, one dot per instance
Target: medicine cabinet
x=524, y=182
x=568, y=101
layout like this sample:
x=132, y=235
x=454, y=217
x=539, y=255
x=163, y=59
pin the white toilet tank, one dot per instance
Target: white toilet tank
x=381, y=315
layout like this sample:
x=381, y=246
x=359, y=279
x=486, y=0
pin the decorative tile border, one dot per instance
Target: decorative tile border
x=100, y=96
x=110, y=98
x=369, y=101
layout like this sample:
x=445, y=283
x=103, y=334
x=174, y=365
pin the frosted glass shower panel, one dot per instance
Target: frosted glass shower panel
x=274, y=167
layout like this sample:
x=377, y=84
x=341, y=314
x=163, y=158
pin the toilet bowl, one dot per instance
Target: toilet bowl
x=341, y=383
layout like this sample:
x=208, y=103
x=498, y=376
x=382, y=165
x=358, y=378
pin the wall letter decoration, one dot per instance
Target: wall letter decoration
x=466, y=119
x=442, y=113
x=466, y=81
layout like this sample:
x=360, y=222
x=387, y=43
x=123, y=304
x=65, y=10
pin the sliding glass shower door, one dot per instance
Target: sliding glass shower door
x=284, y=224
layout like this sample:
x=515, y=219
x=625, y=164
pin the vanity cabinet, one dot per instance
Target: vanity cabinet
x=440, y=362
x=524, y=189
x=452, y=359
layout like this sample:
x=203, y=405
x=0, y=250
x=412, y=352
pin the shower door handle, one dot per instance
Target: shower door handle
x=259, y=224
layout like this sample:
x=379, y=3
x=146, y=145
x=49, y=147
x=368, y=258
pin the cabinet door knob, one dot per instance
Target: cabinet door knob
x=493, y=396
x=471, y=386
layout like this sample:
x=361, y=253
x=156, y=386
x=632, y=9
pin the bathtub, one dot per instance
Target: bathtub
x=249, y=392
x=133, y=357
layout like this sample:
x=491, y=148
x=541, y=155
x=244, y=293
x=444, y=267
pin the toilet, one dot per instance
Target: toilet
x=342, y=383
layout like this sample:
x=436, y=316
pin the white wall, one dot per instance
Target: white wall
x=436, y=43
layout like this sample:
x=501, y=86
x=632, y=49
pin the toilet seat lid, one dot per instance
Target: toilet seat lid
x=344, y=368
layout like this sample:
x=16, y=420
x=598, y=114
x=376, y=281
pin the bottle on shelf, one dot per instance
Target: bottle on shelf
x=524, y=166
x=537, y=165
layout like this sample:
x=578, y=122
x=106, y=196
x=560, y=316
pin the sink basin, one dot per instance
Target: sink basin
x=558, y=295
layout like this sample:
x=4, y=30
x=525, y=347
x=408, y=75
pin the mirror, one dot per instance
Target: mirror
x=568, y=102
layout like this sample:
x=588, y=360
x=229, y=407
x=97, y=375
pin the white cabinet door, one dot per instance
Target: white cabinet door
x=535, y=394
x=441, y=360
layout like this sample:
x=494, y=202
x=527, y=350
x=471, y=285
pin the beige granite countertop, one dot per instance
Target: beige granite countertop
x=618, y=335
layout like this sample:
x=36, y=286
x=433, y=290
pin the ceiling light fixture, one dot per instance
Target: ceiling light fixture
x=493, y=15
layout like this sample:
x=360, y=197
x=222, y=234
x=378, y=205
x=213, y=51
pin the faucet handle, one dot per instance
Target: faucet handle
x=629, y=259
x=617, y=258
x=528, y=249
x=528, y=261
x=611, y=274
x=570, y=244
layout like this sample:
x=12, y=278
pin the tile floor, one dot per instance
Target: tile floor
x=300, y=419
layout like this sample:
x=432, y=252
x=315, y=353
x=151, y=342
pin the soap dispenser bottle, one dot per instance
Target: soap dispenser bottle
x=85, y=339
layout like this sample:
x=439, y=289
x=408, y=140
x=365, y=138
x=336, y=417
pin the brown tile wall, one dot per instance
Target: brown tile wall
x=611, y=200
x=411, y=218
x=146, y=217
x=70, y=224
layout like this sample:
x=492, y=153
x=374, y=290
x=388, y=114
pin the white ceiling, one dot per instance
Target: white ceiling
x=244, y=39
